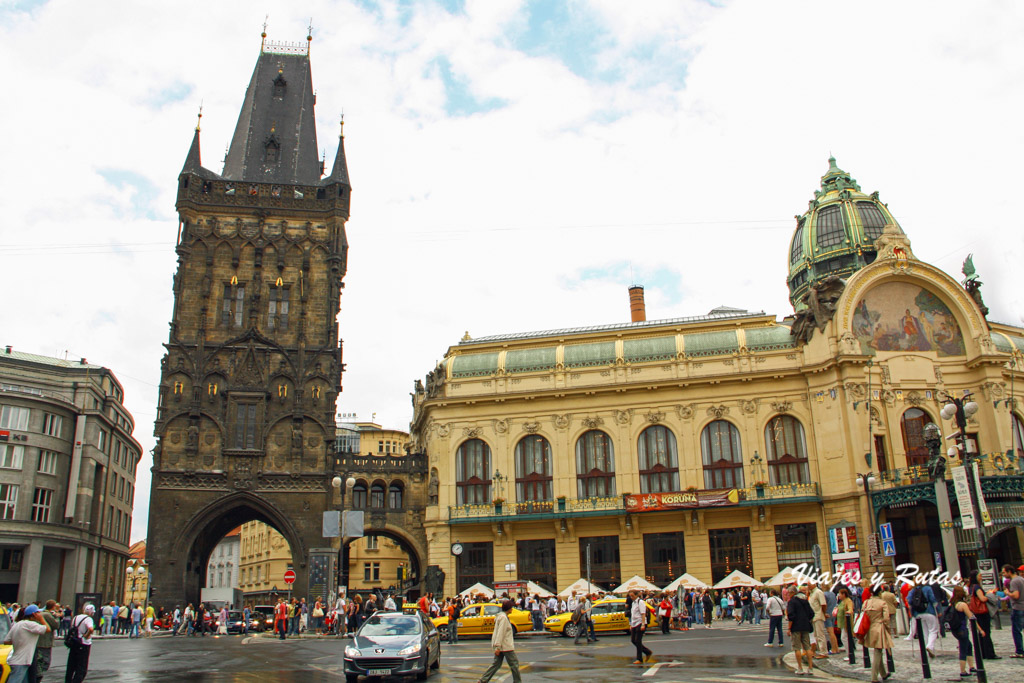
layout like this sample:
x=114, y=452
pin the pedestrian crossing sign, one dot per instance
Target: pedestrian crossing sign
x=888, y=547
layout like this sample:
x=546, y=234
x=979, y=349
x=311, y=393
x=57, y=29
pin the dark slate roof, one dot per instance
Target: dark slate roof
x=278, y=110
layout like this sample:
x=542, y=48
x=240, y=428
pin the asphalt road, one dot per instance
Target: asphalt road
x=725, y=653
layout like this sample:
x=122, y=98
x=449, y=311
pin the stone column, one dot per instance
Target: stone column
x=30, y=565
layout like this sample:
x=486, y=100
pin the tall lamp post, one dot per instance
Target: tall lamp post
x=344, y=552
x=960, y=409
x=937, y=471
x=867, y=480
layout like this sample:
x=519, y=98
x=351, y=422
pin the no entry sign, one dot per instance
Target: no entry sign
x=289, y=577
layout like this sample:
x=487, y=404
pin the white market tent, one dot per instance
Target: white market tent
x=531, y=589
x=686, y=581
x=637, y=583
x=477, y=589
x=735, y=580
x=784, y=578
x=581, y=587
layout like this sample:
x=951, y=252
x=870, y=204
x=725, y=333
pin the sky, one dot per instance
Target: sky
x=515, y=164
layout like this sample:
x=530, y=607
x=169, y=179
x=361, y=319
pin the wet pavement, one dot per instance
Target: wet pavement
x=728, y=653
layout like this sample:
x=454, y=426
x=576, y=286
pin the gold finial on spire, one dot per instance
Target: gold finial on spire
x=309, y=36
x=342, y=133
x=199, y=119
x=263, y=36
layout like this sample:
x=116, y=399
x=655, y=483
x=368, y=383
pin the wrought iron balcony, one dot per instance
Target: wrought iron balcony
x=780, y=493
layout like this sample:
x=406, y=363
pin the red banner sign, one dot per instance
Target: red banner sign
x=650, y=502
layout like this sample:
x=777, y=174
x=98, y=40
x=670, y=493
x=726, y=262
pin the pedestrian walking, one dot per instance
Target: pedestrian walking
x=637, y=625
x=136, y=621
x=44, y=646
x=503, y=644
x=1015, y=593
x=775, y=610
x=80, y=631
x=108, y=612
x=816, y=599
x=800, y=617
x=452, y=609
x=665, y=613
x=922, y=603
x=150, y=618
x=24, y=636
x=707, y=603
x=878, y=637
x=222, y=621
x=958, y=618
x=845, y=607
x=281, y=618
x=978, y=603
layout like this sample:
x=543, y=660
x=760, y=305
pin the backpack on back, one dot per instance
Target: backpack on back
x=918, y=602
x=73, y=638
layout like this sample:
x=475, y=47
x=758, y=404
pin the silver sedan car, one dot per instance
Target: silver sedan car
x=393, y=644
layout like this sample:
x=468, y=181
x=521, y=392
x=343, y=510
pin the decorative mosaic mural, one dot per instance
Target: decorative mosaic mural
x=900, y=316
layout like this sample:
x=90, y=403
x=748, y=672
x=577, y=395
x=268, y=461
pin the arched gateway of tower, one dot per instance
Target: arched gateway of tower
x=245, y=423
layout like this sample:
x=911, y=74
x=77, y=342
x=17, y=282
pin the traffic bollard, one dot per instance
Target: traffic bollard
x=851, y=644
x=867, y=655
x=980, y=661
x=926, y=669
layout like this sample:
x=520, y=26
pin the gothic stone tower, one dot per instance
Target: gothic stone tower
x=254, y=362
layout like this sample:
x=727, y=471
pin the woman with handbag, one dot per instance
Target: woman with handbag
x=843, y=608
x=318, y=617
x=958, y=620
x=878, y=637
x=979, y=605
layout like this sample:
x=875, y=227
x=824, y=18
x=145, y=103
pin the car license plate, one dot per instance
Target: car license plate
x=378, y=672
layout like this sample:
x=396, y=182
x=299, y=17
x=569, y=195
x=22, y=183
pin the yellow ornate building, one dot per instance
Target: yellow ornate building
x=731, y=440
x=264, y=558
x=136, y=580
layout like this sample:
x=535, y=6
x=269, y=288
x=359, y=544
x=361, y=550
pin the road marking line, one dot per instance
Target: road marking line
x=653, y=671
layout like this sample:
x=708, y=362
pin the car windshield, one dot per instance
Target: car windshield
x=235, y=615
x=392, y=624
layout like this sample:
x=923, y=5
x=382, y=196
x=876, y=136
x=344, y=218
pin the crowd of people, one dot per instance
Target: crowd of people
x=32, y=636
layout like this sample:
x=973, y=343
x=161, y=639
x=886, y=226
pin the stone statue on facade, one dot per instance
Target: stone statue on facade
x=820, y=301
x=973, y=284
x=433, y=486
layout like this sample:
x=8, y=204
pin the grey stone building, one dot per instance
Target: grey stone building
x=67, y=478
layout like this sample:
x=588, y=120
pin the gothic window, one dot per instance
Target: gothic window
x=912, y=425
x=871, y=219
x=659, y=463
x=533, y=469
x=722, y=455
x=395, y=494
x=473, y=473
x=245, y=426
x=787, y=451
x=277, y=308
x=272, y=152
x=233, y=305
x=831, y=230
x=280, y=86
x=796, y=252
x=595, y=465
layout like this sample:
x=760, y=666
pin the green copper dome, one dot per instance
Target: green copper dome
x=837, y=234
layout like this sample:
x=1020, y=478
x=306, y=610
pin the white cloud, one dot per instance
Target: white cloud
x=694, y=158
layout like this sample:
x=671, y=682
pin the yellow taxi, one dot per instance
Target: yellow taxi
x=478, y=620
x=5, y=626
x=410, y=608
x=609, y=614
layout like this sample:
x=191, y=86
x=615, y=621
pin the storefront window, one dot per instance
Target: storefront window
x=794, y=544
x=664, y=557
x=537, y=562
x=604, y=560
x=476, y=565
x=730, y=550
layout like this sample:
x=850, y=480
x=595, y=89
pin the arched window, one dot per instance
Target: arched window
x=533, y=469
x=1018, y=436
x=912, y=425
x=796, y=251
x=787, y=451
x=831, y=229
x=659, y=463
x=871, y=219
x=722, y=456
x=473, y=473
x=395, y=492
x=359, y=495
x=595, y=465
x=377, y=495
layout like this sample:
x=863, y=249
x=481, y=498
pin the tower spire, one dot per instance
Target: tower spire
x=339, y=174
x=263, y=36
x=193, y=162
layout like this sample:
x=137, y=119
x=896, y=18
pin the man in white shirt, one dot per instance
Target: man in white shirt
x=78, y=655
x=817, y=600
x=503, y=645
x=389, y=603
x=24, y=635
x=552, y=605
x=571, y=603
x=108, y=617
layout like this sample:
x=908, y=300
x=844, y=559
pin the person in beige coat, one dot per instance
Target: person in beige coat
x=879, y=637
x=504, y=645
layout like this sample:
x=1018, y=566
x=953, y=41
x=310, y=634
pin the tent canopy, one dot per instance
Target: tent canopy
x=686, y=581
x=531, y=589
x=637, y=583
x=477, y=589
x=784, y=578
x=581, y=587
x=736, y=580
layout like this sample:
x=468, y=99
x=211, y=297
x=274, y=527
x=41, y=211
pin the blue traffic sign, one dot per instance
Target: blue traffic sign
x=888, y=547
x=886, y=530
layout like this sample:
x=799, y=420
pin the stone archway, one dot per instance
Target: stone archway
x=413, y=544
x=208, y=526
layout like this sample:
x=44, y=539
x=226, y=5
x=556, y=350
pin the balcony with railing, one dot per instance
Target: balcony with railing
x=781, y=493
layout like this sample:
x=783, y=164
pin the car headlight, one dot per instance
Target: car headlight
x=352, y=652
x=411, y=650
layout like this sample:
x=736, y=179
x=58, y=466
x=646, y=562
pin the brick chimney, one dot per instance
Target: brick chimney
x=637, y=310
